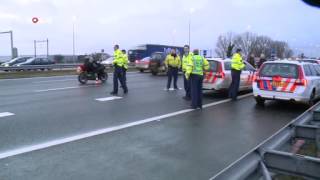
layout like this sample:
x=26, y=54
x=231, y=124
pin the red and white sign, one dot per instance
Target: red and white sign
x=35, y=20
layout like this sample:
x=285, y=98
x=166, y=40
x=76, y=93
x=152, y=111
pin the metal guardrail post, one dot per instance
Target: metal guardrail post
x=288, y=163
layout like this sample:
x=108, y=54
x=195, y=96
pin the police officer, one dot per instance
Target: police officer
x=195, y=69
x=173, y=64
x=187, y=57
x=237, y=66
x=125, y=65
x=118, y=71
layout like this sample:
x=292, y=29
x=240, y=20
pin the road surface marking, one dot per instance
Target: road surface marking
x=62, y=80
x=104, y=131
x=5, y=114
x=133, y=74
x=21, y=79
x=172, y=89
x=108, y=98
x=59, y=89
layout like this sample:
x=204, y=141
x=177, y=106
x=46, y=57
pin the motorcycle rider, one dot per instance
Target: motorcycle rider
x=93, y=66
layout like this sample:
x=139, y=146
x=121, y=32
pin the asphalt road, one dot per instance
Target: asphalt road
x=59, y=129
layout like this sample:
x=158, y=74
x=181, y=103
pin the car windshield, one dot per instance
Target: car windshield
x=156, y=56
x=282, y=70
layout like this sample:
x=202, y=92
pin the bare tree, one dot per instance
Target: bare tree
x=245, y=42
x=225, y=44
x=251, y=43
x=262, y=46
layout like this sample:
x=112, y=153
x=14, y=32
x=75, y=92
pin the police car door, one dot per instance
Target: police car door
x=247, y=76
x=317, y=68
x=315, y=78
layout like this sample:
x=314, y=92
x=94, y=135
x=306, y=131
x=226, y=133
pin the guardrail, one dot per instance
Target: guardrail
x=268, y=159
x=38, y=67
x=44, y=67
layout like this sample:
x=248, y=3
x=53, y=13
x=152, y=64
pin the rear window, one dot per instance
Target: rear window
x=213, y=66
x=282, y=70
x=157, y=57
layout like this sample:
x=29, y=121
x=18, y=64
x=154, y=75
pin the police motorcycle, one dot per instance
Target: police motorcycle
x=92, y=71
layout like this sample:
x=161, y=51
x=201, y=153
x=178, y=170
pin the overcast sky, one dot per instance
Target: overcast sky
x=99, y=24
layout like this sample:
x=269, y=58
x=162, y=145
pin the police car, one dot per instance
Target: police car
x=218, y=78
x=287, y=80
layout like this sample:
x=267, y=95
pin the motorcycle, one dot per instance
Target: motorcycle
x=84, y=76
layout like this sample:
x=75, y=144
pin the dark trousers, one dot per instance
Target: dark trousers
x=125, y=75
x=118, y=75
x=234, y=87
x=172, y=73
x=100, y=71
x=187, y=86
x=196, y=91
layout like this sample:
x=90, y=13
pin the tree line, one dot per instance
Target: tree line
x=251, y=44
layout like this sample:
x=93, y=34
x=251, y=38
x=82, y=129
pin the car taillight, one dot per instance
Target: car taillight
x=79, y=69
x=301, y=81
x=137, y=61
x=146, y=62
x=220, y=73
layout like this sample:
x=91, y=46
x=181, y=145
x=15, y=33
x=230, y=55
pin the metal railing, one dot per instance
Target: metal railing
x=267, y=160
x=38, y=67
x=53, y=66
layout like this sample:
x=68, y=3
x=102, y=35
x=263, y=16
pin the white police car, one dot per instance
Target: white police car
x=218, y=78
x=287, y=80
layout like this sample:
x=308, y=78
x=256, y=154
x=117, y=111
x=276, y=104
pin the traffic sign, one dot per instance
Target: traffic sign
x=35, y=20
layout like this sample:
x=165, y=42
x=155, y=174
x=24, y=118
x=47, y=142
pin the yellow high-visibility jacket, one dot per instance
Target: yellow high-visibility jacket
x=197, y=65
x=185, y=60
x=125, y=61
x=118, y=58
x=173, y=61
x=237, y=62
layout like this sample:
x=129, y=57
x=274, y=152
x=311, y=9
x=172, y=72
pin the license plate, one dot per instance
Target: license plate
x=278, y=84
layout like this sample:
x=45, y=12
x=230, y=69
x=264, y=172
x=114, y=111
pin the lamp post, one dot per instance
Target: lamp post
x=191, y=11
x=74, y=18
x=174, y=32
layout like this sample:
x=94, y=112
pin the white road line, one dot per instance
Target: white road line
x=21, y=79
x=5, y=114
x=103, y=131
x=133, y=74
x=62, y=80
x=172, y=89
x=58, y=89
x=108, y=98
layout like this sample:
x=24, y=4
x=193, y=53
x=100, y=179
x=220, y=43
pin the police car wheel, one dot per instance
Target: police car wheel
x=260, y=101
x=154, y=73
